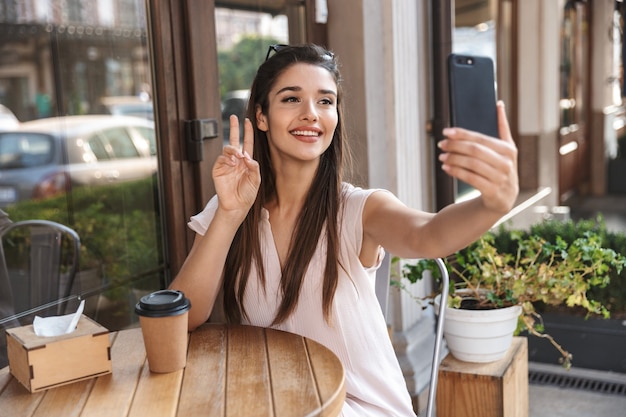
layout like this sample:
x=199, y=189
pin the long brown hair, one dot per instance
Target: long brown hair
x=320, y=209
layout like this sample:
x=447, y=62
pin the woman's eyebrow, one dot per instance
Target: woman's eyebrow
x=288, y=88
x=331, y=92
x=298, y=89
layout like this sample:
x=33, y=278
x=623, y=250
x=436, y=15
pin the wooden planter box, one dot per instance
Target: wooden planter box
x=40, y=363
x=595, y=343
x=494, y=389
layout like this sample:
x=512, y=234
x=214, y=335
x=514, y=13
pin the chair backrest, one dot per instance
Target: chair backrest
x=41, y=259
x=38, y=264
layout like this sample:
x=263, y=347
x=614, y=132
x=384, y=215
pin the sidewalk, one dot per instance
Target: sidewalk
x=548, y=400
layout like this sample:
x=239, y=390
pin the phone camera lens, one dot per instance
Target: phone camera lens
x=470, y=61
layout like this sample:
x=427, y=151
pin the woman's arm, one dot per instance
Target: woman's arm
x=488, y=164
x=200, y=277
x=237, y=178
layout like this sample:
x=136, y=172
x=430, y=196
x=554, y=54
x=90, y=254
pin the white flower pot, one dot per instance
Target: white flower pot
x=479, y=335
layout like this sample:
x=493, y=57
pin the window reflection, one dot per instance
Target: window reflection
x=242, y=41
x=573, y=58
x=77, y=142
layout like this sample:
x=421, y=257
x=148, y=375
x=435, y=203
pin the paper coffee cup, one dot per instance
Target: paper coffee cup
x=163, y=316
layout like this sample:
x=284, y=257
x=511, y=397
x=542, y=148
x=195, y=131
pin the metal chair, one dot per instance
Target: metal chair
x=38, y=264
x=382, y=292
x=434, y=373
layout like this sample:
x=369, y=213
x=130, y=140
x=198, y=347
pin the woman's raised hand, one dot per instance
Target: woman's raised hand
x=487, y=164
x=235, y=174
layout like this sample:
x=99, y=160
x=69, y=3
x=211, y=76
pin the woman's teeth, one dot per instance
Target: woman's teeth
x=304, y=133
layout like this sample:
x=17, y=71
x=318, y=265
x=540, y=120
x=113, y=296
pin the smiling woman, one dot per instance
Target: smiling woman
x=305, y=111
x=291, y=246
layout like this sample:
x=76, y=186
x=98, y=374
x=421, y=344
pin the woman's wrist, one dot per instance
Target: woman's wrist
x=234, y=218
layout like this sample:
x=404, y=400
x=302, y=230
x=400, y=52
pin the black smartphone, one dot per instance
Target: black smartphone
x=472, y=89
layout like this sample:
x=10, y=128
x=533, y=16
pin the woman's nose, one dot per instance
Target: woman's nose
x=308, y=111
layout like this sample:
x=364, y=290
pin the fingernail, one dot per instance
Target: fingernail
x=246, y=155
x=448, y=131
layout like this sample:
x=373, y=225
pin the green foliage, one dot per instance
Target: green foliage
x=553, y=264
x=238, y=65
x=612, y=295
x=550, y=272
x=118, y=227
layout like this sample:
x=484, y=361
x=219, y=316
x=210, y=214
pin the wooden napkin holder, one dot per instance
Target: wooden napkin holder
x=40, y=362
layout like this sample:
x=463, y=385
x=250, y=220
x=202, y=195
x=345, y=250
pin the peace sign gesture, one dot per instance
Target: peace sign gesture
x=236, y=175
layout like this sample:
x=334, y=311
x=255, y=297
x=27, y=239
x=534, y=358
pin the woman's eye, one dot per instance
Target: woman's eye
x=327, y=101
x=290, y=99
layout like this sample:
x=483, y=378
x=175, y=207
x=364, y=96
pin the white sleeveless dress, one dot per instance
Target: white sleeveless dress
x=358, y=332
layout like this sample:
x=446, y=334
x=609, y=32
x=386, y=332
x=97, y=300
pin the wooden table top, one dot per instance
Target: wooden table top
x=231, y=371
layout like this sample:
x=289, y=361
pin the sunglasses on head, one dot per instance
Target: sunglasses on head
x=274, y=48
x=279, y=47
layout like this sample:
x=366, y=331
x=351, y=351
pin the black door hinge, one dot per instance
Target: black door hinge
x=196, y=131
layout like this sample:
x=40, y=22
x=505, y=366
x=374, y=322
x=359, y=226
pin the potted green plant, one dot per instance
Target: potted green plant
x=584, y=336
x=536, y=272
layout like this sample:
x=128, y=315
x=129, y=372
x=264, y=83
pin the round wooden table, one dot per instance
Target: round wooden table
x=231, y=371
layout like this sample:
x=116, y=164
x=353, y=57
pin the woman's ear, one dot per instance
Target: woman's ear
x=261, y=120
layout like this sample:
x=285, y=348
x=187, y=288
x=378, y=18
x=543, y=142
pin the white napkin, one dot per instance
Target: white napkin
x=57, y=325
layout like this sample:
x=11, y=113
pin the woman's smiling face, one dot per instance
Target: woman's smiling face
x=302, y=113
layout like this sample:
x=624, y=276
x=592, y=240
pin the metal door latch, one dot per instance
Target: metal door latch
x=196, y=131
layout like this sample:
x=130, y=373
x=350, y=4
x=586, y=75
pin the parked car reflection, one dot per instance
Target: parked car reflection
x=45, y=157
x=234, y=102
x=126, y=106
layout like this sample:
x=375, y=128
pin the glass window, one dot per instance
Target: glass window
x=568, y=81
x=120, y=144
x=149, y=136
x=66, y=61
x=617, y=34
x=24, y=150
x=243, y=37
x=8, y=8
x=97, y=147
x=573, y=60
